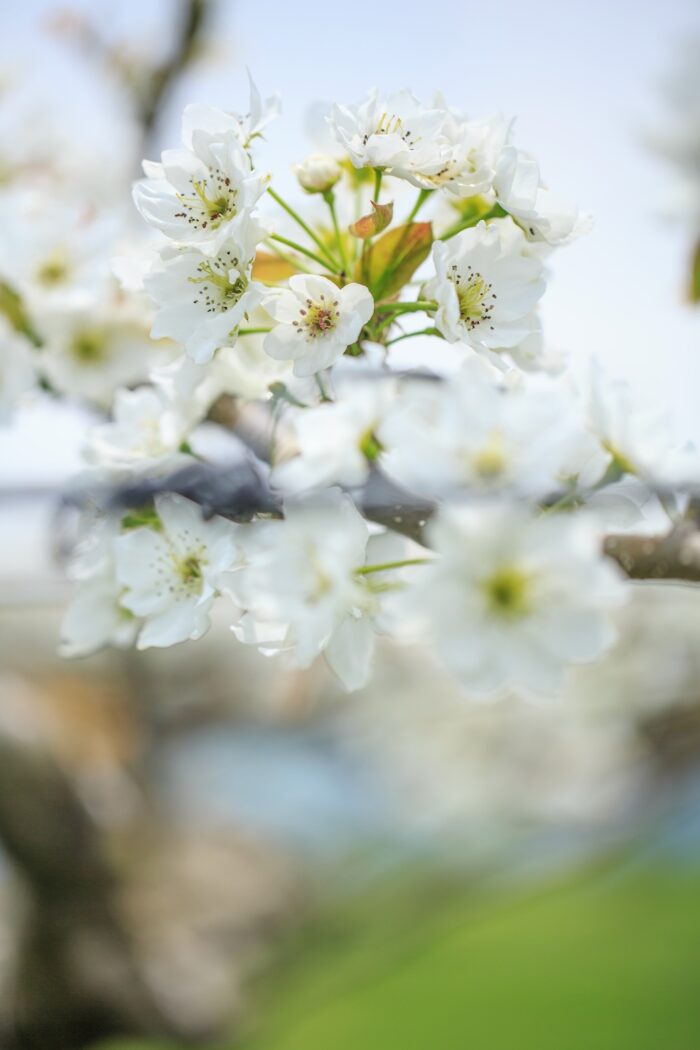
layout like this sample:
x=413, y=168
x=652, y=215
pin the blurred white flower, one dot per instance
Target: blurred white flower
x=511, y=599
x=95, y=616
x=146, y=429
x=17, y=370
x=486, y=287
x=90, y=352
x=541, y=214
x=316, y=321
x=336, y=443
x=474, y=431
x=55, y=256
x=318, y=173
x=638, y=440
x=203, y=299
x=301, y=590
x=170, y=572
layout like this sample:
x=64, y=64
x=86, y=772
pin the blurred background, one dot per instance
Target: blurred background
x=197, y=848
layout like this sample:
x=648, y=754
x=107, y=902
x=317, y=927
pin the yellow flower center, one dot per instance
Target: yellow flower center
x=89, y=346
x=318, y=317
x=508, y=592
x=476, y=300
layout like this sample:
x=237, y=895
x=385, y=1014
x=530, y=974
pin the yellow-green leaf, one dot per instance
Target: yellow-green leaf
x=695, y=276
x=389, y=262
x=378, y=220
x=12, y=307
x=271, y=269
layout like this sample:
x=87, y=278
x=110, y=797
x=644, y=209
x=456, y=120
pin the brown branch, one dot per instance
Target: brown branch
x=675, y=556
x=195, y=14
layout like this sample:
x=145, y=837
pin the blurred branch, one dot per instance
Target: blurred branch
x=193, y=21
x=76, y=975
x=148, y=88
x=675, y=556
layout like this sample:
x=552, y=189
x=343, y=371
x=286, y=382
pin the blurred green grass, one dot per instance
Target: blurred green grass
x=609, y=960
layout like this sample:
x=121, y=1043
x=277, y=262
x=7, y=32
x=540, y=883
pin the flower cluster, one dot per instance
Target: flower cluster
x=461, y=503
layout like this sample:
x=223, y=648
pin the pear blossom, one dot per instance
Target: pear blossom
x=301, y=589
x=316, y=321
x=511, y=599
x=89, y=352
x=171, y=572
x=147, y=430
x=202, y=299
x=95, y=616
x=638, y=440
x=397, y=133
x=486, y=287
x=336, y=443
x=542, y=215
x=54, y=256
x=469, y=152
x=201, y=195
x=218, y=122
x=17, y=370
x=474, y=431
x=318, y=173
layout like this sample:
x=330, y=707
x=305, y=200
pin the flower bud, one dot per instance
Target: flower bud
x=318, y=173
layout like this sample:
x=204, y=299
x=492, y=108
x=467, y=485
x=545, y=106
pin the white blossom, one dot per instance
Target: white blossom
x=171, y=572
x=55, y=254
x=638, y=440
x=469, y=152
x=90, y=352
x=542, y=214
x=301, y=590
x=396, y=133
x=218, y=122
x=146, y=430
x=95, y=616
x=511, y=599
x=474, y=431
x=316, y=321
x=336, y=442
x=17, y=370
x=486, y=287
x=203, y=298
x=204, y=194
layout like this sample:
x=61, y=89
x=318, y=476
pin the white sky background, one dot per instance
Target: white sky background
x=582, y=78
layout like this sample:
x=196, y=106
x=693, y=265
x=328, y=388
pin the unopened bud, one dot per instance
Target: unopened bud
x=318, y=173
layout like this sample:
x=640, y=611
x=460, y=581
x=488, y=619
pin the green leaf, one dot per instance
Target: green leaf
x=12, y=307
x=695, y=277
x=378, y=220
x=388, y=263
x=144, y=517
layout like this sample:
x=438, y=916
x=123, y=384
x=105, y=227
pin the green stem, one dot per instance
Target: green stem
x=304, y=251
x=412, y=335
x=288, y=258
x=428, y=305
x=420, y=201
x=378, y=173
x=329, y=198
x=252, y=331
x=364, y=570
x=305, y=227
x=496, y=212
x=322, y=389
